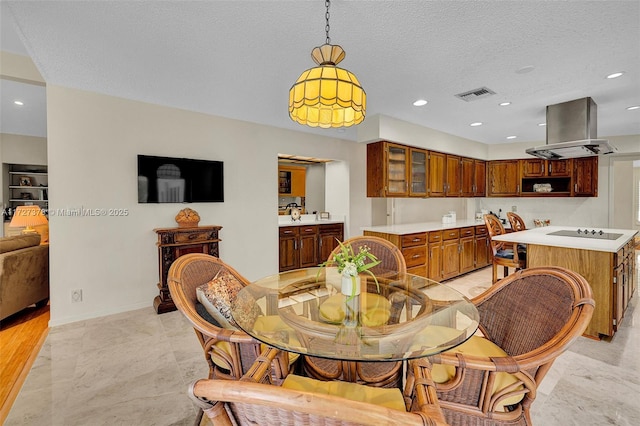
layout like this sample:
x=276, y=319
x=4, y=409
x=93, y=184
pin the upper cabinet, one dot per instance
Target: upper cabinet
x=473, y=177
x=418, y=172
x=503, y=178
x=437, y=174
x=292, y=181
x=585, y=177
x=396, y=170
x=545, y=177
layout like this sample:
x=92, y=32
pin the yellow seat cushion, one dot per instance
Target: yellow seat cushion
x=390, y=398
x=263, y=323
x=375, y=309
x=479, y=346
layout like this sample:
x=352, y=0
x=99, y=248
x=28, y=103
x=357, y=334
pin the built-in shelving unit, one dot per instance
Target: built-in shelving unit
x=28, y=184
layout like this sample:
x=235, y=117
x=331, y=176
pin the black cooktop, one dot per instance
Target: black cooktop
x=587, y=233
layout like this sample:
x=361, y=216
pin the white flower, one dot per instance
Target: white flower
x=350, y=269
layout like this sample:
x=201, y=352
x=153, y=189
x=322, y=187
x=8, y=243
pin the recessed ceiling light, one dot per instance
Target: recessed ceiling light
x=615, y=74
x=511, y=137
x=420, y=102
x=19, y=103
x=542, y=124
x=631, y=108
x=504, y=103
x=477, y=123
x=525, y=70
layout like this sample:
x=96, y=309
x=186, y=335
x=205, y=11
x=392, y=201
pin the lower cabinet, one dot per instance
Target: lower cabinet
x=305, y=246
x=450, y=253
x=624, y=282
x=443, y=254
x=482, y=250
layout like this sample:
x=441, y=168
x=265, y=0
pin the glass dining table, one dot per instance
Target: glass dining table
x=396, y=316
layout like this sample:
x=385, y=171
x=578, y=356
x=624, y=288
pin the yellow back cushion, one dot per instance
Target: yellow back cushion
x=479, y=346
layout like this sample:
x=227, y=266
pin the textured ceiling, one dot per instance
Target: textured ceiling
x=238, y=59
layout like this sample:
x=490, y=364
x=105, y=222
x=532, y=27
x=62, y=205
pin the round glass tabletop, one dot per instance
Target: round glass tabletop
x=394, y=317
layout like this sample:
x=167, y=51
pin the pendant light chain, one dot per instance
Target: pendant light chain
x=327, y=3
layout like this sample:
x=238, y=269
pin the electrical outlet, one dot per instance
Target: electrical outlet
x=514, y=208
x=76, y=295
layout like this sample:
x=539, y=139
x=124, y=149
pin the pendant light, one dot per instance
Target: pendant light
x=327, y=96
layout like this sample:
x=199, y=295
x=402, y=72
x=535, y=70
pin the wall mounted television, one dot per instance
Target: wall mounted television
x=179, y=180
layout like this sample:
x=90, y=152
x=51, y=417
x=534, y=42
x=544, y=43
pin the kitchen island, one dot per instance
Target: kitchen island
x=604, y=257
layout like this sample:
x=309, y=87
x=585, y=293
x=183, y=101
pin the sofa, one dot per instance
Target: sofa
x=24, y=273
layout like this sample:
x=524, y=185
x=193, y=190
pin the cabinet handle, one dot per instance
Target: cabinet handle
x=575, y=187
x=415, y=240
x=288, y=232
x=193, y=236
x=295, y=244
x=415, y=256
x=518, y=188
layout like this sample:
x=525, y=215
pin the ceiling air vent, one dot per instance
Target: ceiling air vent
x=475, y=94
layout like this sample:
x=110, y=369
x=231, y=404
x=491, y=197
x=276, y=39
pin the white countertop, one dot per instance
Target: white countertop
x=413, y=228
x=539, y=236
x=306, y=219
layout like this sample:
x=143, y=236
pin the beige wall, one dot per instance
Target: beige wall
x=93, y=143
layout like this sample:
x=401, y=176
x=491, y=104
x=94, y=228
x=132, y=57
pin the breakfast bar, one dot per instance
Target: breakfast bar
x=605, y=257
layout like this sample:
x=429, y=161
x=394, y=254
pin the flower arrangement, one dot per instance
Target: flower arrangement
x=351, y=263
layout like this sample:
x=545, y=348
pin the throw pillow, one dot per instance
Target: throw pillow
x=218, y=295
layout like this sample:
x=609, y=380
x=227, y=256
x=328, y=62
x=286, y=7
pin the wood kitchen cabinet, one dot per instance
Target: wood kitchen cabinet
x=585, y=177
x=473, y=177
x=304, y=246
x=437, y=177
x=482, y=253
x=435, y=255
x=503, y=178
x=175, y=242
x=624, y=282
x=328, y=237
x=298, y=247
x=413, y=248
x=450, y=253
x=388, y=167
x=555, y=173
x=292, y=181
x=453, y=188
x=467, y=249
x=418, y=172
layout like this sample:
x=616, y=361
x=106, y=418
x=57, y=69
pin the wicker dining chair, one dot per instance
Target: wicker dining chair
x=383, y=374
x=254, y=401
x=528, y=320
x=507, y=255
x=516, y=222
x=229, y=352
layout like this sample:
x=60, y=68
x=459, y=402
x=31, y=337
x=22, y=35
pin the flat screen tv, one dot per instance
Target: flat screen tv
x=179, y=180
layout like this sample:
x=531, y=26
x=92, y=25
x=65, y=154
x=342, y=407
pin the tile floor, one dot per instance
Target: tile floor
x=134, y=368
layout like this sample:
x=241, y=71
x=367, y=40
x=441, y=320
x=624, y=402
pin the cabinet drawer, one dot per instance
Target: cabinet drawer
x=415, y=256
x=466, y=232
x=329, y=229
x=418, y=270
x=481, y=230
x=306, y=230
x=412, y=240
x=185, y=237
x=450, y=234
x=288, y=231
x=435, y=236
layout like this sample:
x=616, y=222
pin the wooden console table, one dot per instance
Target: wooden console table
x=175, y=242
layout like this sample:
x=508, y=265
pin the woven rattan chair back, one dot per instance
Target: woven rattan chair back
x=516, y=222
x=184, y=276
x=516, y=258
x=533, y=315
x=254, y=401
x=390, y=256
x=383, y=374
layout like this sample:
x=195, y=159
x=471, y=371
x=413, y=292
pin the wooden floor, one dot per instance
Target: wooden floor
x=21, y=337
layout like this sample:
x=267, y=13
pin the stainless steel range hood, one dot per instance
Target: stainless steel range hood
x=572, y=132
